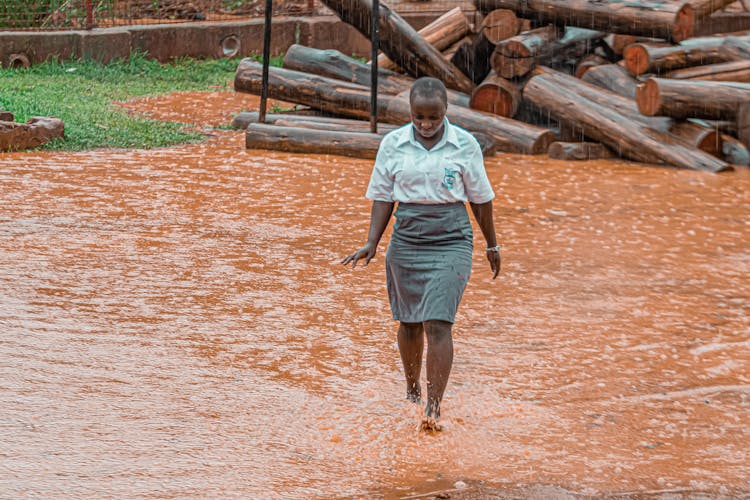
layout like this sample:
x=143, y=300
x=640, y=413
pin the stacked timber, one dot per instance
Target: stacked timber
x=597, y=78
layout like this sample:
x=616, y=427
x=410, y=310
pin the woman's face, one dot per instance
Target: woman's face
x=427, y=114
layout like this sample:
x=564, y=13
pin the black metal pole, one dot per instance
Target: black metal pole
x=374, y=67
x=266, y=60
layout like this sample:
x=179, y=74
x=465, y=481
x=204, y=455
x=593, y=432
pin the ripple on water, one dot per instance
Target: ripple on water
x=176, y=323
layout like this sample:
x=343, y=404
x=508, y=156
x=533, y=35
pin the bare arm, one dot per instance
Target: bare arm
x=379, y=217
x=483, y=214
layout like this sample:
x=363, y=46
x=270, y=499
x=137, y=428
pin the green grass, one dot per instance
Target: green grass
x=81, y=94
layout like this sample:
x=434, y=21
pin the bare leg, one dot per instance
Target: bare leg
x=411, y=345
x=439, y=362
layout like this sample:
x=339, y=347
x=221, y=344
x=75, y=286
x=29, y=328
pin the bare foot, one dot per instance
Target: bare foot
x=414, y=397
x=430, y=425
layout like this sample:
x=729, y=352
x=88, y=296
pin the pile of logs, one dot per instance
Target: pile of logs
x=595, y=78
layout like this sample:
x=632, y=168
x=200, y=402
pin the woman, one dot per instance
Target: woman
x=431, y=168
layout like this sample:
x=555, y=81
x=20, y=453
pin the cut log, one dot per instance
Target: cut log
x=641, y=58
x=334, y=64
x=691, y=98
x=440, y=33
x=401, y=43
x=702, y=136
x=303, y=140
x=242, y=120
x=614, y=78
x=667, y=20
x=578, y=151
x=563, y=49
x=735, y=71
x=736, y=47
x=497, y=95
x=558, y=94
x=704, y=8
x=588, y=62
x=617, y=42
x=723, y=22
x=37, y=131
x=354, y=101
x=517, y=55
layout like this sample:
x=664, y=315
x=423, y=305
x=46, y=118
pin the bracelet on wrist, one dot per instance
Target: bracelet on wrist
x=494, y=249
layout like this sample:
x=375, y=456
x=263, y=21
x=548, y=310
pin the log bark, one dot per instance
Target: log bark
x=691, y=98
x=517, y=55
x=563, y=49
x=588, y=62
x=704, y=8
x=497, y=95
x=37, y=131
x=736, y=47
x=614, y=78
x=440, y=33
x=735, y=71
x=401, y=43
x=723, y=22
x=670, y=21
x=242, y=120
x=626, y=137
x=641, y=58
x=354, y=101
x=334, y=64
x=302, y=140
x=702, y=136
x=578, y=151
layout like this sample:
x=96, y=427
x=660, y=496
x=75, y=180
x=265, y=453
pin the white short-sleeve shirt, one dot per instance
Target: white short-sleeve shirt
x=452, y=171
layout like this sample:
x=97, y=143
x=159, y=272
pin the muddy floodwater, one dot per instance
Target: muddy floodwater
x=175, y=323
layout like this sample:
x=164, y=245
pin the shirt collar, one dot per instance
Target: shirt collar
x=449, y=135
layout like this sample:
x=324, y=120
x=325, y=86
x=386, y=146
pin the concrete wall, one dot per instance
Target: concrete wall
x=165, y=42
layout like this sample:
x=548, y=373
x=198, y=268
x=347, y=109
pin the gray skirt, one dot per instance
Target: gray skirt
x=428, y=262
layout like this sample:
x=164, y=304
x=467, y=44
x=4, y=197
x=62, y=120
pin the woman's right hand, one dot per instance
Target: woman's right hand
x=367, y=252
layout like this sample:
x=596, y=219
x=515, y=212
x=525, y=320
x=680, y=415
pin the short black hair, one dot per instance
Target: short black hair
x=428, y=86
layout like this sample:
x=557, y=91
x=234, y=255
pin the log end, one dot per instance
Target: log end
x=494, y=99
x=499, y=25
x=647, y=97
x=542, y=143
x=711, y=143
x=684, y=25
x=636, y=59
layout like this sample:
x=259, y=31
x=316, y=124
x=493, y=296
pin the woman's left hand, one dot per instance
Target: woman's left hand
x=494, y=257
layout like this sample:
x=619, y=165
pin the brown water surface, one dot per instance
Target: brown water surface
x=175, y=323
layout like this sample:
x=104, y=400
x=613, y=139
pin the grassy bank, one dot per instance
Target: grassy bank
x=81, y=94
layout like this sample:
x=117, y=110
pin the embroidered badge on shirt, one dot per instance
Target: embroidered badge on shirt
x=449, y=178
